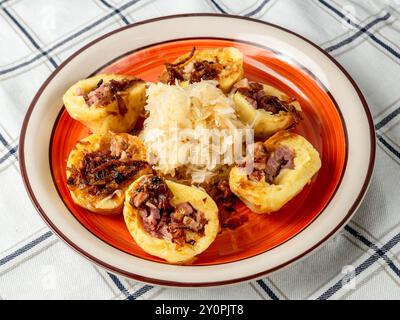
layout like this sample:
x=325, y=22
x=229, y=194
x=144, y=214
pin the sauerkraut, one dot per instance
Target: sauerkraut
x=192, y=130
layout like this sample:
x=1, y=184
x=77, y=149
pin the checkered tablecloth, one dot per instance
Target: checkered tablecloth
x=362, y=261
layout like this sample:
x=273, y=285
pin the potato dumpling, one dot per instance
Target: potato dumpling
x=283, y=165
x=169, y=220
x=107, y=102
x=101, y=167
x=222, y=64
x=267, y=109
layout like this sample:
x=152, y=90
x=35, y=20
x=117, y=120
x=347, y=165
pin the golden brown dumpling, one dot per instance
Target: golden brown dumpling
x=283, y=165
x=267, y=109
x=100, y=169
x=170, y=220
x=107, y=102
x=222, y=64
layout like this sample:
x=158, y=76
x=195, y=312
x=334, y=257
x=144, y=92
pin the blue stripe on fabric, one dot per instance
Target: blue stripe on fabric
x=125, y=291
x=340, y=14
x=388, y=146
x=118, y=284
x=267, y=290
x=369, y=244
x=4, y=141
x=384, y=45
x=249, y=14
x=25, y=248
x=139, y=292
x=26, y=33
x=373, y=38
x=387, y=119
x=21, y=65
x=358, y=33
x=71, y=37
x=215, y=3
x=116, y=10
x=257, y=10
x=12, y=151
x=362, y=267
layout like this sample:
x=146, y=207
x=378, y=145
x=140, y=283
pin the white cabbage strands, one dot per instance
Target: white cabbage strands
x=193, y=129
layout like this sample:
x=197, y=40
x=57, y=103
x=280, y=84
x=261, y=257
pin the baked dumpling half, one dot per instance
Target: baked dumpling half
x=100, y=169
x=282, y=166
x=222, y=64
x=169, y=220
x=107, y=102
x=265, y=108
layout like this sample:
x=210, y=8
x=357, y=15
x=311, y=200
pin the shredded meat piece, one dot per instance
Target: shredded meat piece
x=280, y=159
x=204, y=70
x=103, y=172
x=259, y=162
x=197, y=70
x=181, y=211
x=256, y=96
x=174, y=74
x=160, y=218
x=260, y=153
x=105, y=93
x=255, y=86
x=122, y=109
x=117, y=146
x=256, y=175
x=269, y=166
x=223, y=186
x=140, y=198
x=226, y=201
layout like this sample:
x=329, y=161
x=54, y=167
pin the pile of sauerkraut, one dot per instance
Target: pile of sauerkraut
x=192, y=130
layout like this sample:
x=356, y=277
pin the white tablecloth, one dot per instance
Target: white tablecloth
x=36, y=36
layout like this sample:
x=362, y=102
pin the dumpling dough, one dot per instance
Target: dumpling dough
x=263, y=197
x=103, y=107
x=222, y=64
x=166, y=248
x=123, y=147
x=264, y=122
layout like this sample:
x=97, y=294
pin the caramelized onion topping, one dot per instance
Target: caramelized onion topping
x=257, y=97
x=105, y=93
x=102, y=173
x=199, y=70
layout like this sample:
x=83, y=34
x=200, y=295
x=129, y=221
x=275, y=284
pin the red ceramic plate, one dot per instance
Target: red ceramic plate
x=322, y=126
x=336, y=121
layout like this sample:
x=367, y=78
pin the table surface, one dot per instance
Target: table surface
x=361, y=262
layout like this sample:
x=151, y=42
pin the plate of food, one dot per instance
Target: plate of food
x=197, y=149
